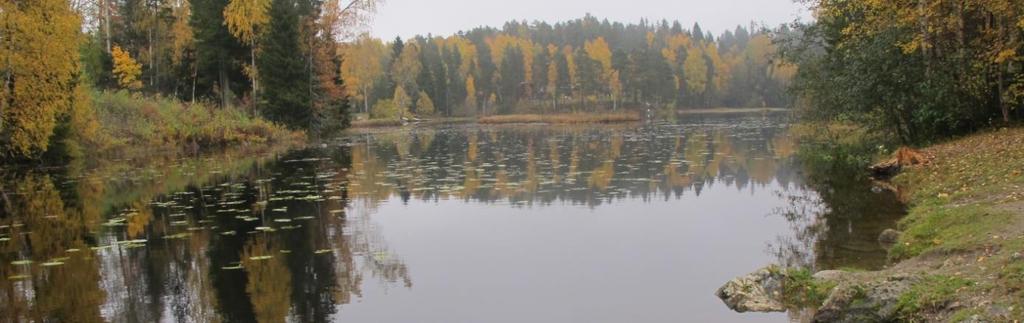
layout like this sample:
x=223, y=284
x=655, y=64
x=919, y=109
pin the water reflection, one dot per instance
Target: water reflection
x=836, y=222
x=529, y=165
x=276, y=235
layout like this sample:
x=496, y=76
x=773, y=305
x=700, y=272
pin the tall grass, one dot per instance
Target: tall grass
x=134, y=120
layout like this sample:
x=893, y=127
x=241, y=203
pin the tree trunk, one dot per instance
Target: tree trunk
x=105, y=12
x=255, y=75
x=154, y=59
x=195, y=77
x=1003, y=106
x=7, y=75
x=366, y=101
x=225, y=86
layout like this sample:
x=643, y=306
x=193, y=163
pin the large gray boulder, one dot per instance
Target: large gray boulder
x=760, y=291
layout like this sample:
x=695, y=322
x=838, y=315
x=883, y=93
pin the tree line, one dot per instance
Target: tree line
x=918, y=70
x=580, y=65
x=277, y=58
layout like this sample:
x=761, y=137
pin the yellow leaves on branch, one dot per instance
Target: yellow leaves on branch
x=937, y=24
x=126, y=69
x=245, y=18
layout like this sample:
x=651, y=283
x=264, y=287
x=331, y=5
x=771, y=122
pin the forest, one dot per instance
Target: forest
x=257, y=68
x=171, y=72
x=582, y=65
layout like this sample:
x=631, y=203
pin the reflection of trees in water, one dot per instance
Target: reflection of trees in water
x=214, y=220
x=36, y=223
x=835, y=222
x=268, y=279
x=586, y=165
x=182, y=266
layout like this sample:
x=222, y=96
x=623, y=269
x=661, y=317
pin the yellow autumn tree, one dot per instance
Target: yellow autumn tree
x=598, y=50
x=402, y=102
x=467, y=51
x=696, y=72
x=407, y=67
x=246, y=20
x=361, y=67
x=126, y=69
x=38, y=67
x=424, y=106
x=470, y=93
x=501, y=42
x=722, y=70
x=615, y=89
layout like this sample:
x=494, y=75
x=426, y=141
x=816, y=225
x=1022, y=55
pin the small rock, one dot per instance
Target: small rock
x=760, y=291
x=889, y=237
x=1016, y=256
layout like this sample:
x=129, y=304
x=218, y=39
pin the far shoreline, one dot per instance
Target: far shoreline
x=731, y=110
x=558, y=118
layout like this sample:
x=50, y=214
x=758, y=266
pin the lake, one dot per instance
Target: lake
x=450, y=223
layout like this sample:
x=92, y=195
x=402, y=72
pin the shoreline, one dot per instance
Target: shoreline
x=555, y=118
x=731, y=111
x=560, y=118
x=957, y=254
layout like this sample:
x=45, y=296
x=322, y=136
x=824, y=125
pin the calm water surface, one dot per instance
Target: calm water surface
x=624, y=223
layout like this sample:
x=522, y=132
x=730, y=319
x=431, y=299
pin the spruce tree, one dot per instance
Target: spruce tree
x=218, y=52
x=286, y=93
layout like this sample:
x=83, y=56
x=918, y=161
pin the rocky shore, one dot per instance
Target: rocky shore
x=956, y=256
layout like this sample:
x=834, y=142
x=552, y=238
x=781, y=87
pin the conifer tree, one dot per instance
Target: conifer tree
x=281, y=62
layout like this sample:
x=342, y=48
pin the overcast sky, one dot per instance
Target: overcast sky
x=407, y=18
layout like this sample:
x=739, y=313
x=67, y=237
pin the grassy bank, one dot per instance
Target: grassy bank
x=130, y=120
x=967, y=219
x=959, y=250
